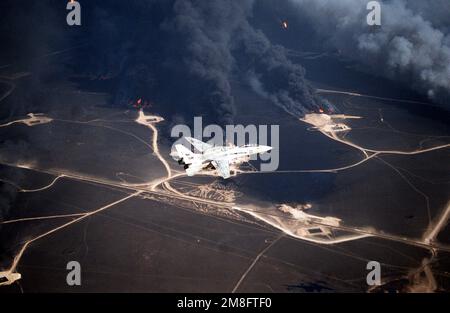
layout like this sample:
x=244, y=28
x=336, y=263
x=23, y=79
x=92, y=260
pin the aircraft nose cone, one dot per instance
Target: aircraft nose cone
x=265, y=148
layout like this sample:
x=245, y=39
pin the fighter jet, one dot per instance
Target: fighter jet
x=213, y=157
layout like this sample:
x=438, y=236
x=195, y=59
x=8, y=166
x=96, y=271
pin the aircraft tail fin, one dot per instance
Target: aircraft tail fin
x=198, y=144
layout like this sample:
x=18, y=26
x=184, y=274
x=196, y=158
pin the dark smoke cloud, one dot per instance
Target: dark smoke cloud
x=271, y=74
x=182, y=54
x=187, y=53
x=412, y=45
x=219, y=42
x=204, y=31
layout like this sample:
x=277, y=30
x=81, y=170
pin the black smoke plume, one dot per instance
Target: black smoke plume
x=412, y=44
x=185, y=54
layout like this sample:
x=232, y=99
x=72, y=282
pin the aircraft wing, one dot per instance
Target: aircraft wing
x=198, y=144
x=184, y=153
x=223, y=166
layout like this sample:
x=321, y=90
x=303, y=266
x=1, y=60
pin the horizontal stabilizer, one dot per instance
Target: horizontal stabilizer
x=194, y=168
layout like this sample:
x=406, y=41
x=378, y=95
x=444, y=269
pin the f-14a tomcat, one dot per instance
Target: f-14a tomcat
x=213, y=157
